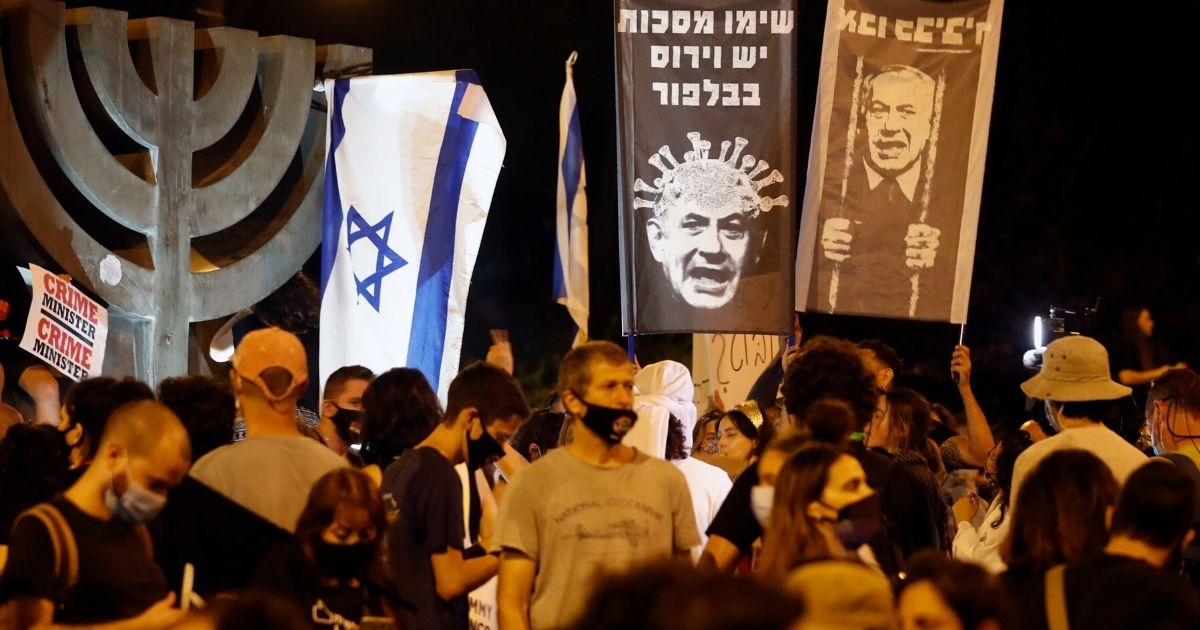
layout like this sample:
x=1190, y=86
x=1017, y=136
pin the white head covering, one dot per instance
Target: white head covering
x=664, y=389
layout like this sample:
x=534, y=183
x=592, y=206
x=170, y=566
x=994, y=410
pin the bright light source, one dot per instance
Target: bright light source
x=1037, y=332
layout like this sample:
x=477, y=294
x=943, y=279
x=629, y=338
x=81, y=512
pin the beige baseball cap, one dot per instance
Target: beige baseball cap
x=272, y=348
x=1074, y=369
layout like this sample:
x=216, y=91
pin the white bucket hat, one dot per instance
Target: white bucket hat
x=1074, y=369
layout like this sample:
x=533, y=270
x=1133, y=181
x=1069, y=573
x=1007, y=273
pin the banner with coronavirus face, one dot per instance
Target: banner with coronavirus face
x=896, y=163
x=707, y=170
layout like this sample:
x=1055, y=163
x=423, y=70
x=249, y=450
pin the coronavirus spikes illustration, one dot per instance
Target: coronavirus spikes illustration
x=172, y=110
x=700, y=172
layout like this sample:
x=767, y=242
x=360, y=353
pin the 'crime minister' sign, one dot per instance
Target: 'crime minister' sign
x=66, y=328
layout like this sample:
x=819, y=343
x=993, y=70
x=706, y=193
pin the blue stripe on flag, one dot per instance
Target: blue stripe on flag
x=331, y=226
x=572, y=163
x=428, y=337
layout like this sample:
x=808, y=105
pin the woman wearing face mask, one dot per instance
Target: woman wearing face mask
x=982, y=545
x=705, y=435
x=742, y=434
x=332, y=570
x=822, y=508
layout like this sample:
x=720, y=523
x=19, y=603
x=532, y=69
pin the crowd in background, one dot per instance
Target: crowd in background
x=834, y=497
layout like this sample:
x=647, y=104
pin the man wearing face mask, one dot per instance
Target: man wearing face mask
x=1079, y=394
x=342, y=407
x=115, y=584
x=590, y=507
x=425, y=540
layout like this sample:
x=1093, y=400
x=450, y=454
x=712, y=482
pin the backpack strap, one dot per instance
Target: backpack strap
x=66, y=553
x=1056, y=598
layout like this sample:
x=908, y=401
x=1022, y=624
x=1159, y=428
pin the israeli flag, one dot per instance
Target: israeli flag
x=571, y=242
x=411, y=165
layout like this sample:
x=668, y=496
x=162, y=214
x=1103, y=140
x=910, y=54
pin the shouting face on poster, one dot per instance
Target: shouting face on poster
x=898, y=108
x=705, y=227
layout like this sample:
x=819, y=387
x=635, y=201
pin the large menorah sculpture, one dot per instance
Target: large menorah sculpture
x=155, y=193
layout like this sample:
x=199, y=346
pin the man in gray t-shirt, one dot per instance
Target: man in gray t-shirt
x=272, y=471
x=590, y=508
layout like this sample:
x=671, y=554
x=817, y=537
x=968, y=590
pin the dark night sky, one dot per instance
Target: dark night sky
x=1090, y=159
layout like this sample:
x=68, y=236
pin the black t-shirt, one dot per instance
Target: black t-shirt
x=735, y=519
x=423, y=493
x=905, y=507
x=117, y=577
x=288, y=572
x=910, y=518
x=1111, y=592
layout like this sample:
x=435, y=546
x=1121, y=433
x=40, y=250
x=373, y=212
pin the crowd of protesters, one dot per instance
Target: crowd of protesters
x=848, y=501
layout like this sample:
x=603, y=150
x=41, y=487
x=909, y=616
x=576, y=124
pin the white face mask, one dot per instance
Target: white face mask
x=761, y=499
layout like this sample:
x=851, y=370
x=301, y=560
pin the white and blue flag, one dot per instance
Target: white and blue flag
x=411, y=165
x=571, y=241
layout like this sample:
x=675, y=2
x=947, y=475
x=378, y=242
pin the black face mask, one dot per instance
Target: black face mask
x=610, y=423
x=343, y=561
x=348, y=423
x=481, y=450
x=858, y=522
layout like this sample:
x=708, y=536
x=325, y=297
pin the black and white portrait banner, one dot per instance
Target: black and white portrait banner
x=896, y=163
x=707, y=173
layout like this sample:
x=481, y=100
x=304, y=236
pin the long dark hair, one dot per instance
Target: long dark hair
x=1061, y=511
x=761, y=434
x=911, y=418
x=1010, y=448
x=399, y=410
x=344, y=486
x=791, y=536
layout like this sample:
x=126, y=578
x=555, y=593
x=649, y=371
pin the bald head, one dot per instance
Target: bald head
x=147, y=429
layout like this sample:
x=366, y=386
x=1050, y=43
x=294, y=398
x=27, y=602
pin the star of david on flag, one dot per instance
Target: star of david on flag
x=386, y=259
x=411, y=164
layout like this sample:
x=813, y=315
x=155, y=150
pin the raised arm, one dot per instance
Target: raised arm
x=979, y=434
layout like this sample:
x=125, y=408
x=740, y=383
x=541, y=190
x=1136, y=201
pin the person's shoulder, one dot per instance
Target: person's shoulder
x=212, y=465
x=648, y=465
x=708, y=474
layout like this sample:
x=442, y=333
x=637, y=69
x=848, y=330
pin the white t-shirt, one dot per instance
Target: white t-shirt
x=270, y=475
x=1121, y=456
x=981, y=545
x=709, y=486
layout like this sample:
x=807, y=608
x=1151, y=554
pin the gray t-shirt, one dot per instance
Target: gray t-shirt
x=578, y=521
x=270, y=475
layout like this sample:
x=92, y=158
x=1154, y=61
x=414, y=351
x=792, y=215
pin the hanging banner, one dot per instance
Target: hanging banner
x=731, y=364
x=66, y=329
x=706, y=164
x=411, y=166
x=896, y=163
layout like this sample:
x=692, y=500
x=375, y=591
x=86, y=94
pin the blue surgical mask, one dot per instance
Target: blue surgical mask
x=761, y=499
x=136, y=504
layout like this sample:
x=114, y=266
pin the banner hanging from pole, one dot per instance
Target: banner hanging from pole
x=896, y=163
x=706, y=165
x=571, y=237
x=411, y=167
